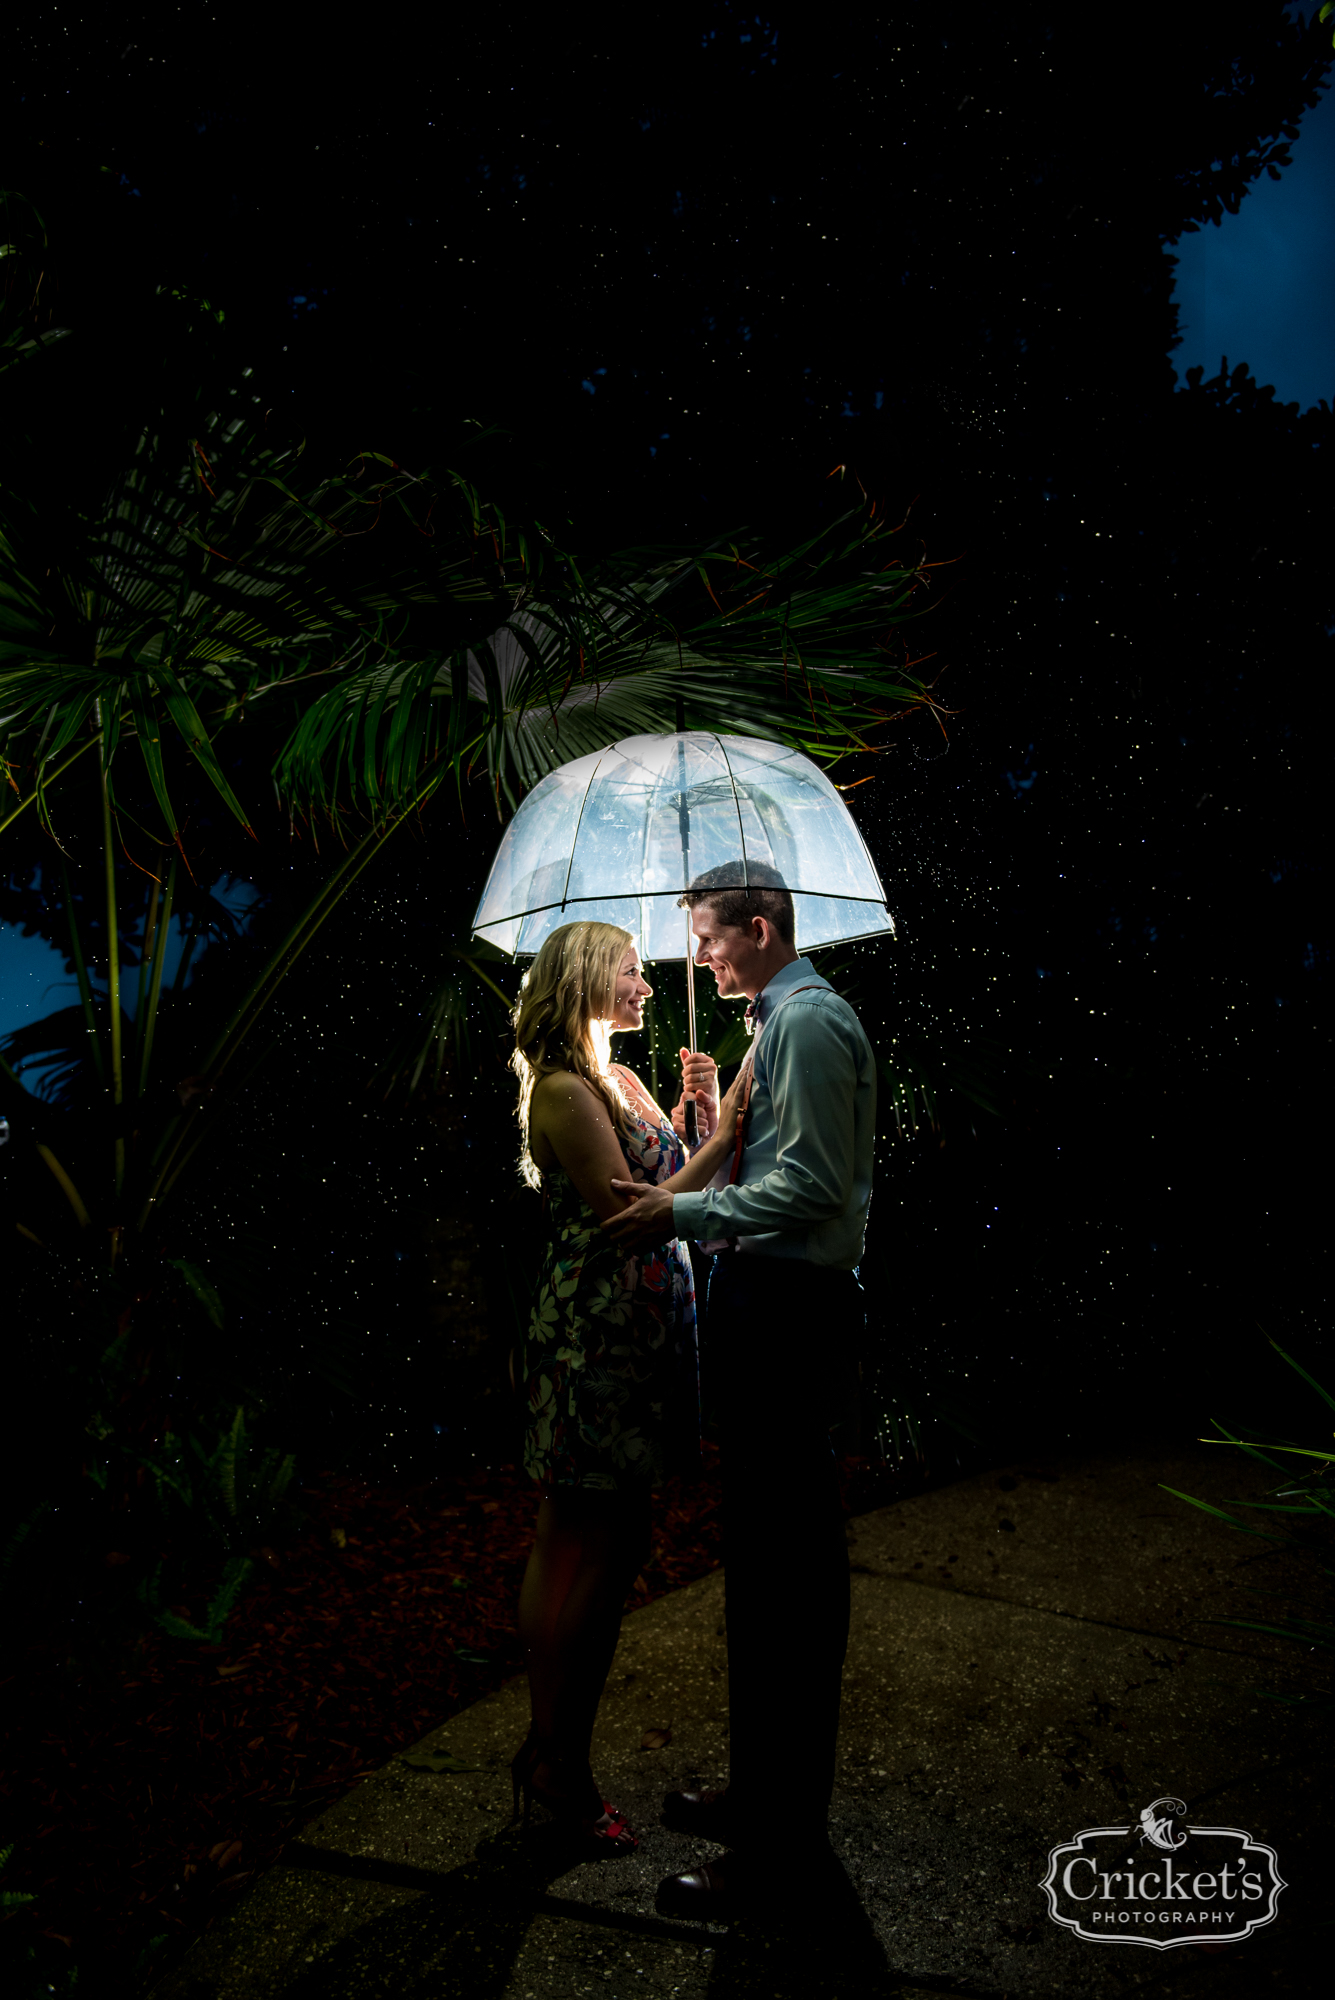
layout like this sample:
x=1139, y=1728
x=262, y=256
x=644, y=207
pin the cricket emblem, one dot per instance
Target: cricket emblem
x=1156, y=1826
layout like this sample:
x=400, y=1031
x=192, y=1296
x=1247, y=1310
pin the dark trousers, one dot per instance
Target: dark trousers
x=783, y=1338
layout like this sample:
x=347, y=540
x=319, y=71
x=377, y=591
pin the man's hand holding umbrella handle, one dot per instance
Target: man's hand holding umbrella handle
x=699, y=1079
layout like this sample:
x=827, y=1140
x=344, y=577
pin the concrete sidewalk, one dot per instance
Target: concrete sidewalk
x=1026, y=1660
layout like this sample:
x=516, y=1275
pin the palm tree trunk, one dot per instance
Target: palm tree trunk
x=81, y=973
x=147, y=946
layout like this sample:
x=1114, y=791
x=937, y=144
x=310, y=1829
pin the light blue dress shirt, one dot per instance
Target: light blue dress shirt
x=804, y=1183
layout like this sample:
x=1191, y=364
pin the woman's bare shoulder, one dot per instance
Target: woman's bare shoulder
x=562, y=1097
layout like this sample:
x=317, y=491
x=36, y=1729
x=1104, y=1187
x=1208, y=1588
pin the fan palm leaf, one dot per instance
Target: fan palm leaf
x=797, y=646
x=25, y=327
x=202, y=582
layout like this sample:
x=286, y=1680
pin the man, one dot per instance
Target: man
x=785, y=1314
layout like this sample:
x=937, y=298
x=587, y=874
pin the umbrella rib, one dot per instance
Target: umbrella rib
x=538, y=909
x=737, y=806
x=575, y=842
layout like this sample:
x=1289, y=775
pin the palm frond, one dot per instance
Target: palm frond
x=799, y=646
x=417, y=1057
x=208, y=577
x=25, y=328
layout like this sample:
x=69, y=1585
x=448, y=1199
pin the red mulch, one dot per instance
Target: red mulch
x=138, y=1809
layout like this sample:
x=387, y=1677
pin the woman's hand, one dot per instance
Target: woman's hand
x=734, y=1104
x=699, y=1079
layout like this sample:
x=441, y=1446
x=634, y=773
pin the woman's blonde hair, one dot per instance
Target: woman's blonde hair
x=560, y=1021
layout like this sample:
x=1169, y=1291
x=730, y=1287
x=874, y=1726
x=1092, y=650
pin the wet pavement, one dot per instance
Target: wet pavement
x=1030, y=1656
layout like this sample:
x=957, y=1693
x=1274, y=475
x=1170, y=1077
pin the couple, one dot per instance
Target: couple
x=778, y=1189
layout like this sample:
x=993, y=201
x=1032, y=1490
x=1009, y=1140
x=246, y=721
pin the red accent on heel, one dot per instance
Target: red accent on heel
x=606, y=1830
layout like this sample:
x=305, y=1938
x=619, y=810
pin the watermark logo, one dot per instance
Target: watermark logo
x=1160, y=1883
x=1157, y=1827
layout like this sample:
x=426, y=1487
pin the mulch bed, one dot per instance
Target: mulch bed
x=138, y=1809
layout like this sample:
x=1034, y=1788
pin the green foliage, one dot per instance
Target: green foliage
x=467, y=981
x=199, y=1284
x=440, y=1761
x=21, y=1546
x=225, y=1494
x=1306, y=1500
x=25, y=327
x=12, y=1899
x=903, y=1411
x=131, y=1508
x=236, y=1574
x=200, y=1498
x=213, y=576
x=32, y=1967
x=794, y=644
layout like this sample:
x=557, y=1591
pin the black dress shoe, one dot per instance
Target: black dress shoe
x=708, y=1815
x=712, y=1893
x=737, y=1885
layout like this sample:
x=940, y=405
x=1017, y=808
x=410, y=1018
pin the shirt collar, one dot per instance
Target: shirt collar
x=770, y=995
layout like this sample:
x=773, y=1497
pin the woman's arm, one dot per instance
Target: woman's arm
x=576, y=1126
x=703, y=1164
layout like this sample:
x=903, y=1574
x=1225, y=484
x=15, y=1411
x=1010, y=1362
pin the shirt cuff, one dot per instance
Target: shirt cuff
x=688, y=1214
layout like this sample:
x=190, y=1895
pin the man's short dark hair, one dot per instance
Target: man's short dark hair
x=736, y=893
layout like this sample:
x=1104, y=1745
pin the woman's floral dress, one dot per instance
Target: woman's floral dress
x=610, y=1364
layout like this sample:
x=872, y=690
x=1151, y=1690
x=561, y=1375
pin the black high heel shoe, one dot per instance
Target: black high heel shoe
x=521, y=1774
x=580, y=1809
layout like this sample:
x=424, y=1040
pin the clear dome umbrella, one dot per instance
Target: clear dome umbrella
x=618, y=835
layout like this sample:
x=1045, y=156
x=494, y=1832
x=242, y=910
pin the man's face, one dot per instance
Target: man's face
x=735, y=957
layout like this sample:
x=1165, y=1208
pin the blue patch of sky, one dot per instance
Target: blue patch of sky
x=1259, y=287
x=34, y=981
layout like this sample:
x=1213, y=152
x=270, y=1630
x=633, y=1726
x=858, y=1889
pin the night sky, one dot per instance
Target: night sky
x=1259, y=286
x=933, y=249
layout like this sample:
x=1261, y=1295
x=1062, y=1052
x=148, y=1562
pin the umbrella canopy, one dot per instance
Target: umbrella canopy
x=618, y=835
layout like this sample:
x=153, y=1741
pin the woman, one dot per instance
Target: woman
x=610, y=1375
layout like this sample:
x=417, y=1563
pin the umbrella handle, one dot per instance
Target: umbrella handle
x=692, y=1125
